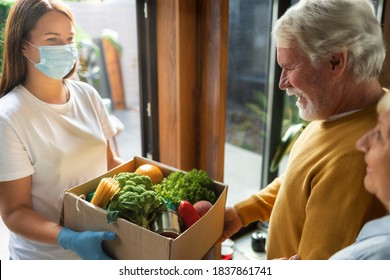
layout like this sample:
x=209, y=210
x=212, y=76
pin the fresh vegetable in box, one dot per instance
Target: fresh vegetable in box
x=136, y=201
x=188, y=213
x=202, y=207
x=192, y=186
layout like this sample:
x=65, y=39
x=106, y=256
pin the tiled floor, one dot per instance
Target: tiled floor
x=129, y=145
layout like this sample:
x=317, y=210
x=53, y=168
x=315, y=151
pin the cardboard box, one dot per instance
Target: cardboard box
x=135, y=242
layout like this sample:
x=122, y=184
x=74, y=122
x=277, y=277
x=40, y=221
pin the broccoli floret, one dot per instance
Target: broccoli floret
x=192, y=186
x=135, y=179
x=136, y=201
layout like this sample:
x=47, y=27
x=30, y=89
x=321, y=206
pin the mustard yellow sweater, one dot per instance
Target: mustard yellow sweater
x=319, y=206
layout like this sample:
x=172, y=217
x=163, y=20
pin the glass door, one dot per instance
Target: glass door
x=247, y=98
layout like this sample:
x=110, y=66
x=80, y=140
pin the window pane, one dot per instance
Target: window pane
x=249, y=43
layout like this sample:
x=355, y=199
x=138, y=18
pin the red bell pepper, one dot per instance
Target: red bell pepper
x=188, y=213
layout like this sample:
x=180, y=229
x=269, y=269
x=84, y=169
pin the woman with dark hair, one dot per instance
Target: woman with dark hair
x=55, y=133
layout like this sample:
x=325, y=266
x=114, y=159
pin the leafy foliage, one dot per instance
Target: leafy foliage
x=5, y=5
x=136, y=201
x=192, y=186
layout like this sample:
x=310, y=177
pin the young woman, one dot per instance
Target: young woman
x=54, y=131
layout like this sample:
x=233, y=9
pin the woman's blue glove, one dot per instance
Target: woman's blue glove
x=87, y=244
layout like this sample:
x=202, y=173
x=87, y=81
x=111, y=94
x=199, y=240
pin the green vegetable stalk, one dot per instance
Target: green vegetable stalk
x=192, y=186
x=136, y=201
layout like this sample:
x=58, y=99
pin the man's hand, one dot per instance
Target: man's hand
x=232, y=223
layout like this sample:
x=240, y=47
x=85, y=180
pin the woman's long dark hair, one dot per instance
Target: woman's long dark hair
x=22, y=18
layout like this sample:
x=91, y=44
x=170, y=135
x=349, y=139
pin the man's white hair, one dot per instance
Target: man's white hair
x=321, y=28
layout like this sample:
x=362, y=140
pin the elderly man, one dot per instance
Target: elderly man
x=331, y=54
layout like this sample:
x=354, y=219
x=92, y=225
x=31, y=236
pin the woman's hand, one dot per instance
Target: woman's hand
x=87, y=244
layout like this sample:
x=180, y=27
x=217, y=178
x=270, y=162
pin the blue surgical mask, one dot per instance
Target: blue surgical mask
x=56, y=61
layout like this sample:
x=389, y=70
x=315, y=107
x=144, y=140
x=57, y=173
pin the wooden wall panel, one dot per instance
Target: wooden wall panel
x=167, y=71
x=213, y=85
x=176, y=52
x=192, y=70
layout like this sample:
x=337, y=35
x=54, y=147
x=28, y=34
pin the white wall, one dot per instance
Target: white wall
x=119, y=16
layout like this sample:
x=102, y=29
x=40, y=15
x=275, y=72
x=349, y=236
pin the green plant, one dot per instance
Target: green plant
x=290, y=114
x=192, y=186
x=136, y=201
x=292, y=127
x=88, y=69
x=5, y=5
x=259, y=107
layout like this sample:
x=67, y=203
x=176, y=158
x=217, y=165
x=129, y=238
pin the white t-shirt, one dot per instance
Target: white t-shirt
x=60, y=146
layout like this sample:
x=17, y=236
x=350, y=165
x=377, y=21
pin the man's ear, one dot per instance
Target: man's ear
x=338, y=62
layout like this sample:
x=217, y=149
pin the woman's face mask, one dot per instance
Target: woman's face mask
x=56, y=61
